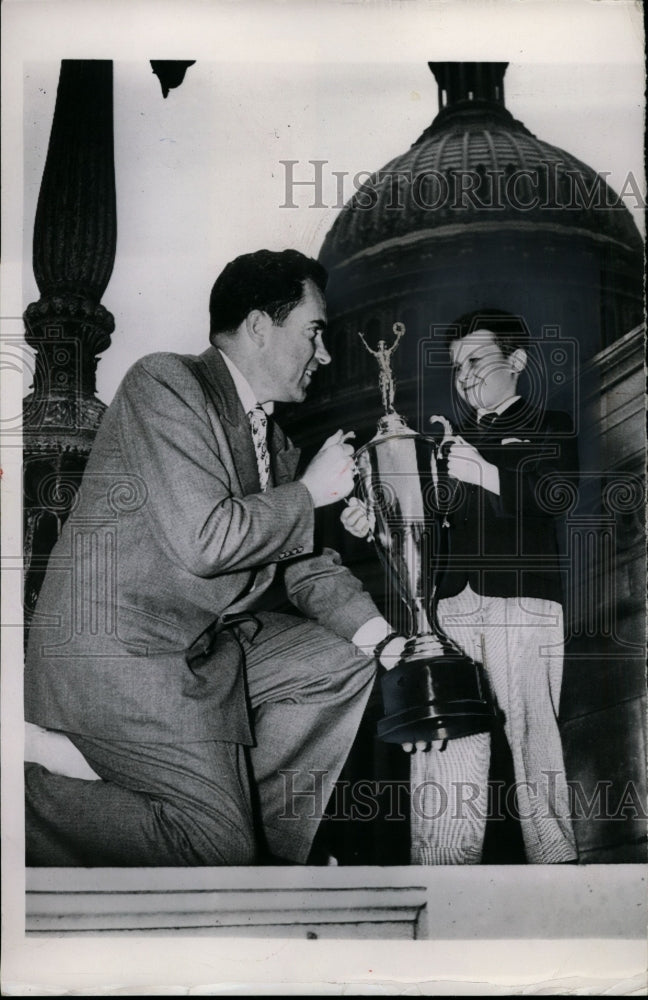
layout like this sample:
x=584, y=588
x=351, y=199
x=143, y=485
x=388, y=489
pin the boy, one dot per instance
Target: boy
x=500, y=600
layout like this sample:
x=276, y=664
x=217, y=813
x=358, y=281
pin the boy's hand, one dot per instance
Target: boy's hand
x=357, y=520
x=469, y=466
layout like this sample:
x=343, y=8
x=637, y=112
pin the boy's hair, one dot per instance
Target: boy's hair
x=511, y=332
x=267, y=280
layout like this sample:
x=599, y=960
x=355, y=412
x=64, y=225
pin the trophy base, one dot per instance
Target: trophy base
x=435, y=698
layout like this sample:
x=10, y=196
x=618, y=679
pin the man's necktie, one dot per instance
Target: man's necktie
x=259, y=424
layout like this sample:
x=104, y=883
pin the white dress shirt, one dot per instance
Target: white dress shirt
x=243, y=388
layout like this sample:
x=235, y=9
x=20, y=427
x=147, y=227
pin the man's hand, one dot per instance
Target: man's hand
x=391, y=653
x=468, y=465
x=424, y=746
x=425, y=645
x=329, y=476
x=357, y=520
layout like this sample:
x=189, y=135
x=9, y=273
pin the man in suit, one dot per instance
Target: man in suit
x=176, y=718
x=500, y=598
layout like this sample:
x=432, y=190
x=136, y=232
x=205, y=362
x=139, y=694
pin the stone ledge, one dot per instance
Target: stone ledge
x=244, y=902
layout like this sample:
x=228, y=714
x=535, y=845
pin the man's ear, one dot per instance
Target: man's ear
x=518, y=360
x=257, y=325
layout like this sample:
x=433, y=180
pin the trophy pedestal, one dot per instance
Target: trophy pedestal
x=434, y=698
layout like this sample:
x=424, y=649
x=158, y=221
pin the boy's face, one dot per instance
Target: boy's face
x=484, y=377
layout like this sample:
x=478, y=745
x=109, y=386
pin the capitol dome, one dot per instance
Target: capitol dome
x=473, y=166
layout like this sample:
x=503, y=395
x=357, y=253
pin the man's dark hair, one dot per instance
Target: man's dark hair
x=511, y=332
x=267, y=280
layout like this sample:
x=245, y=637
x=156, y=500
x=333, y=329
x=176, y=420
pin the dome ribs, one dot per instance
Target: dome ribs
x=522, y=178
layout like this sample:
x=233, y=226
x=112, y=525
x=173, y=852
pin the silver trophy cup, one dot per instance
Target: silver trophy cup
x=429, y=695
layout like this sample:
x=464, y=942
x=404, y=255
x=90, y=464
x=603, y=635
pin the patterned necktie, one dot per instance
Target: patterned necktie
x=259, y=424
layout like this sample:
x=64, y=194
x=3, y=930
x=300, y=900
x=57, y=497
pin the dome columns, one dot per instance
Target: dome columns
x=469, y=81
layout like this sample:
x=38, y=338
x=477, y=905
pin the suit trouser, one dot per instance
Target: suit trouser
x=520, y=642
x=210, y=802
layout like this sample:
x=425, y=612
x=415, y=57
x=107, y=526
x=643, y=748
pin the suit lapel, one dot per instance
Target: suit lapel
x=240, y=441
x=222, y=392
x=284, y=458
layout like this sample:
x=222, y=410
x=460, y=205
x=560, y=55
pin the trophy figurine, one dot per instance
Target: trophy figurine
x=429, y=695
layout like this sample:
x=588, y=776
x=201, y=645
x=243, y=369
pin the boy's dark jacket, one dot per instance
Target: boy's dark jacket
x=507, y=545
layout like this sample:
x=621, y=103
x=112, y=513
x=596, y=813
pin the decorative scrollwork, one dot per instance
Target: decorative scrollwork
x=445, y=496
x=44, y=317
x=59, y=492
x=624, y=494
x=379, y=494
x=555, y=494
x=125, y=496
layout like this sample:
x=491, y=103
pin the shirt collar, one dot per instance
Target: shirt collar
x=243, y=388
x=498, y=409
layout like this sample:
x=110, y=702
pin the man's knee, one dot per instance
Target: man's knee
x=205, y=839
x=75, y=822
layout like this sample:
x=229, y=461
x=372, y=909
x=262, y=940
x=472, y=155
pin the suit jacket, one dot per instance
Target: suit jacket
x=507, y=545
x=170, y=539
